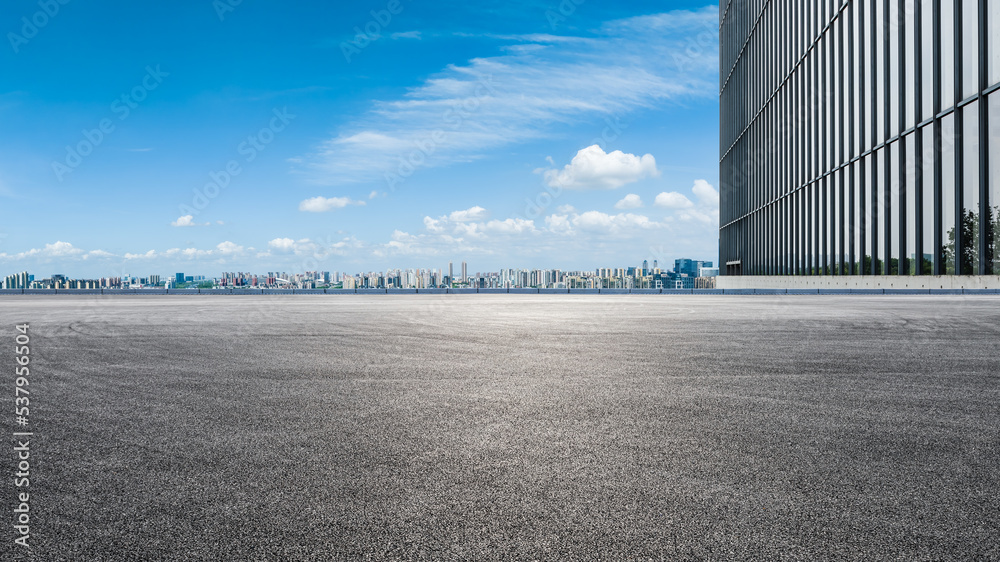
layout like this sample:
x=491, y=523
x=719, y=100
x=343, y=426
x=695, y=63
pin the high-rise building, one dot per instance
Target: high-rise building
x=465, y=272
x=689, y=267
x=179, y=278
x=17, y=281
x=859, y=138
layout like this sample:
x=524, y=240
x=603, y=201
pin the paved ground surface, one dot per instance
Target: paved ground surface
x=509, y=427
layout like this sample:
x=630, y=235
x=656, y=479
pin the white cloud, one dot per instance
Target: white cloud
x=406, y=35
x=698, y=216
x=596, y=221
x=510, y=226
x=228, y=248
x=188, y=220
x=474, y=214
x=313, y=248
x=559, y=224
x=373, y=194
x=630, y=201
x=433, y=225
x=566, y=209
x=592, y=168
x=282, y=244
x=147, y=256
x=673, y=200
x=55, y=250
x=466, y=111
x=707, y=195
x=286, y=245
x=324, y=204
x=98, y=254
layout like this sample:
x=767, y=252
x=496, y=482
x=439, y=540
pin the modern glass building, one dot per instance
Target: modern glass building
x=860, y=137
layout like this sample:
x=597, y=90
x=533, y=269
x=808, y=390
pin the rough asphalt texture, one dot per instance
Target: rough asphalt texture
x=498, y=427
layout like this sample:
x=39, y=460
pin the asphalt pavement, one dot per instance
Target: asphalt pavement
x=507, y=427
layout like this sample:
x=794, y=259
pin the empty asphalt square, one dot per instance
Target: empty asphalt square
x=508, y=427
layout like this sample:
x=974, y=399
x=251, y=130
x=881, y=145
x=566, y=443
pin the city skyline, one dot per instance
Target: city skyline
x=553, y=133
x=685, y=269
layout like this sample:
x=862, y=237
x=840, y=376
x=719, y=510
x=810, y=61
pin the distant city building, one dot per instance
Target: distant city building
x=17, y=281
x=690, y=267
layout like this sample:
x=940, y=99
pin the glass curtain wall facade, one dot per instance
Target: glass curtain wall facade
x=860, y=137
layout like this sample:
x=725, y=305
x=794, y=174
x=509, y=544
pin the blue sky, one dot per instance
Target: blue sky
x=203, y=136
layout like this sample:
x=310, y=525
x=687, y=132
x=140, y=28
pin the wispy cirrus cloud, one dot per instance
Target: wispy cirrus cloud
x=468, y=109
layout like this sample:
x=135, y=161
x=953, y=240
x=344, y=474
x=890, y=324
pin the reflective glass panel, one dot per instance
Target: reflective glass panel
x=948, y=194
x=970, y=48
x=881, y=212
x=993, y=32
x=857, y=216
x=927, y=58
x=895, y=198
x=909, y=54
x=970, y=192
x=910, y=218
x=947, y=53
x=895, y=95
x=927, y=268
x=993, y=222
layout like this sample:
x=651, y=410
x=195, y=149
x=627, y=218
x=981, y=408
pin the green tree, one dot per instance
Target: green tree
x=969, y=256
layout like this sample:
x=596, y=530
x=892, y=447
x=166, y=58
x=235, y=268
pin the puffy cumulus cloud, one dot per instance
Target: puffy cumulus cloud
x=630, y=201
x=195, y=253
x=694, y=215
x=57, y=249
x=188, y=220
x=512, y=226
x=559, y=224
x=222, y=250
x=703, y=210
x=476, y=213
x=406, y=244
x=307, y=247
x=706, y=194
x=99, y=254
x=229, y=248
x=147, y=256
x=472, y=222
x=673, y=200
x=596, y=221
x=282, y=244
x=601, y=224
x=433, y=225
x=592, y=168
x=324, y=204
x=61, y=249
x=299, y=247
